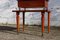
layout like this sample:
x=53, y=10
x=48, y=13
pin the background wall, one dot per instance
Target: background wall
x=7, y=16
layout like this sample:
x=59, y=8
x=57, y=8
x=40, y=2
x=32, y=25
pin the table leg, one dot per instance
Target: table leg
x=23, y=20
x=17, y=21
x=42, y=22
x=48, y=22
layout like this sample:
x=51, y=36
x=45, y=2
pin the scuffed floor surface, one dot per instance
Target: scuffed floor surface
x=30, y=33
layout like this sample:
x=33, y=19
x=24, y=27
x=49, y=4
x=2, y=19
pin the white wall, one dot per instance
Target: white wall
x=7, y=16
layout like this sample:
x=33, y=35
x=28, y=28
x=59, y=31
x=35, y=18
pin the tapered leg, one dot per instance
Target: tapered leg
x=48, y=22
x=23, y=20
x=42, y=22
x=17, y=21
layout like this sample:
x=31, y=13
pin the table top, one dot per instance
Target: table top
x=30, y=11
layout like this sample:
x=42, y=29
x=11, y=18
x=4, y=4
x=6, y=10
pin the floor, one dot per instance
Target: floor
x=30, y=33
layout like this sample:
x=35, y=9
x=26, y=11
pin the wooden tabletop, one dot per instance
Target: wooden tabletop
x=30, y=11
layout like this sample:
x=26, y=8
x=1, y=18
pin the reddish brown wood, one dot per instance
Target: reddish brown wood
x=17, y=21
x=42, y=12
x=48, y=22
x=31, y=3
x=30, y=11
x=46, y=4
x=42, y=21
x=23, y=20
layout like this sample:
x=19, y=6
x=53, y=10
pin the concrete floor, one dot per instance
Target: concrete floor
x=30, y=33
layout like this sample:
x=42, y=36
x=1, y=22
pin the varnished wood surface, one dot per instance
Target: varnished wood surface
x=18, y=21
x=30, y=11
x=31, y=4
x=49, y=21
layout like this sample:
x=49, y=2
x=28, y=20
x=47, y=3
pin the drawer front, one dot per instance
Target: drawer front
x=31, y=4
